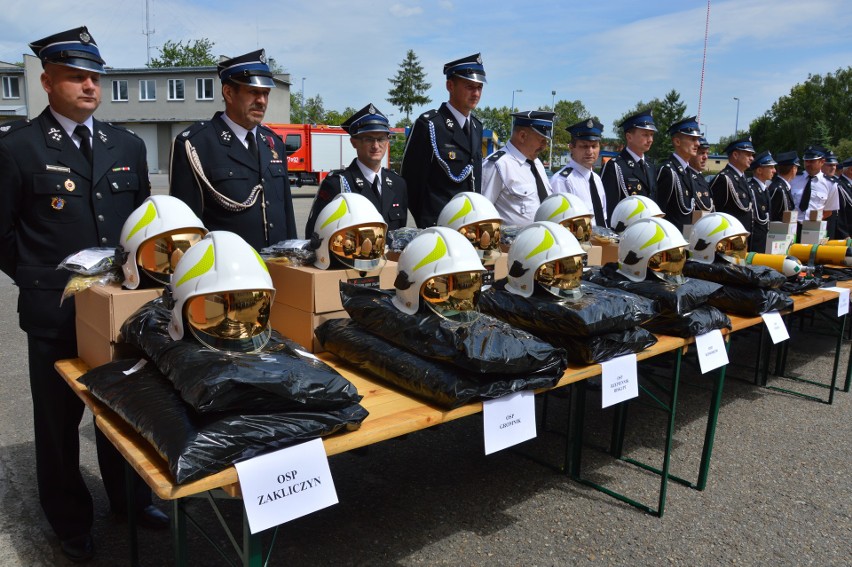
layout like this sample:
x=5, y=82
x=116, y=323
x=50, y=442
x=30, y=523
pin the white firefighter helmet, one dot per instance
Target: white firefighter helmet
x=717, y=232
x=653, y=243
x=350, y=229
x=437, y=252
x=474, y=216
x=568, y=210
x=222, y=290
x=547, y=253
x=631, y=209
x=155, y=236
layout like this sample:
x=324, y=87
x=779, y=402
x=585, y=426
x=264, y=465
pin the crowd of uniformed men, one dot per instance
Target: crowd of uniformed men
x=70, y=181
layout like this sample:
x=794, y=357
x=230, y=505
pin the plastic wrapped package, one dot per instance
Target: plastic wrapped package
x=485, y=345
x=749, y=301
x=281, y=377
x=90, y=267
x=599, y=310
x=699, y=321
x=443, y=384
x=196, y=445
x=671, y=299
x=726, y=273
x=290, y=252
x=398, y=239
x=603, y=347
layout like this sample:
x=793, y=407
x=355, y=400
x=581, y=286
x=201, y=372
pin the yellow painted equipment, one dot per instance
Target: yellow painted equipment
x=821, y=254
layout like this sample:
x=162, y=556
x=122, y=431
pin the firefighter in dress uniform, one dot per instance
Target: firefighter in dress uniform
x=844, y=187
x=829, y=171
x=579, y=177
x=369, y=132
x=629, y=173
x=697, y=164
x=763, y=170
x=231, y=170
x=443, y=153
x=675, y=189
x=69, y=183
x=780, y=199
x=730, y=189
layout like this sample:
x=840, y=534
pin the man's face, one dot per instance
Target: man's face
x=764, y=172
x=585, y=152
x=245, y=104
x=814, y=166
x=639, y=140
x=699, y=162
x=73, y=93
x=371, y=148
x=685, y=146
x=741, y=159
x=464, y=94
x=529, y=142
x=829, y=168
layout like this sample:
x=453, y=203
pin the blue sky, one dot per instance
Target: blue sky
x=608, y=54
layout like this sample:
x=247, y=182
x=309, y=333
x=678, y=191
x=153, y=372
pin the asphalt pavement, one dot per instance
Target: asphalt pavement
x=779, y=491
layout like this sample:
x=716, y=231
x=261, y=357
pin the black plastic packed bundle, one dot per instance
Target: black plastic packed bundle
x=697, y=322
x=749, y=301
x=600, y=310
x=486, y=345
x=196, y=445
x=280, y=378
x=671, y=299
x=603, y=347
x=726, y=273
x=441, y=383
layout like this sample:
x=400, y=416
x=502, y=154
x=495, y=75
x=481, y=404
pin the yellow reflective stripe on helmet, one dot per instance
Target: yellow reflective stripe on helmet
x=147, y=218
x=640, y=206
x=436, y=254
x=466, y=208
x=546, y=244
x=722, y=226
x=566, y=204
x=202, y=267
x=336, y=215
x=659, y=235
x=260, y=260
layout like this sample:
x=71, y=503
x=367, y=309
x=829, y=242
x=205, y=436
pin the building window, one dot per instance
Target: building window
x=148, y=89
x=176, y=89
x=204, y=89
x=11, y=88
x=119, y=91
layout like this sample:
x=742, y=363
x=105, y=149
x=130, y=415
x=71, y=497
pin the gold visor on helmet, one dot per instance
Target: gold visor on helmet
x=485, y=237
x=735, y=246
x=236, y=321
x=454, y=296
x=158, y=256
x=580, y=227
x=668, y=264
x=360, y=247
x=561, y=277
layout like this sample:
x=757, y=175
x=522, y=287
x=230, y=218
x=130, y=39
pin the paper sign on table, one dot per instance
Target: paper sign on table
x=843, y=301
x=711, y=350
x=776, y=327
x=619, y=380
x=287, y=484
x=508, y=420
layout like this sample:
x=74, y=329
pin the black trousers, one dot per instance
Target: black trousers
x=57, y=412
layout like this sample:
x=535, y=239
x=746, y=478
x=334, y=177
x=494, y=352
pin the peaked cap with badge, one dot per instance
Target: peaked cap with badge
x=469, y=68
x=538, y=120
x=368, y=119
x=589, y=129
x=72, y=48
x=247, y=69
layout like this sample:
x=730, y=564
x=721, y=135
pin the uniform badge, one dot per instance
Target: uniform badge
x=262, y=57
x=226, y=136
x=630, y=164
x=70, y=185
x=85, y=38
x=57, y=203
x=185, y=134
x=55, y=134
x=451, y=155
x=372, y=110
x=450, y=123
x=638, y=186
x=359, y=182
x=102, y=136
x=389, y=181
x=590, y=124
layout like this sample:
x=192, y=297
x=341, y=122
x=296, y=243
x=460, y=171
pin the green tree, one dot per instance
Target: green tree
x=196, y=53
x=409, y=85
x=297, y=109
x=666, y=112
x=314, y=110
x=568, y=113
x=843, y=149
x=335, y=118
x=496, y=119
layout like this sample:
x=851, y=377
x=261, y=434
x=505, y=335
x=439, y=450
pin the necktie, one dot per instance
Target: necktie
x=466, y=128
x=539, y=184
x=85, y=142
x=596, y=201
x=375, y=187
x=806, y=195
x=251, y=144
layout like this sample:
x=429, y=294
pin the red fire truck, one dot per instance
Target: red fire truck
x=314, y=150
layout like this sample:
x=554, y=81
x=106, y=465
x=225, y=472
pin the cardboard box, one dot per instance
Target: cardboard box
x=813, y=232
x=697, y=214
x=814, y=215
x=783, y=228
x=594, y=257
x=790, y=216
x=101, y=311
x=312, y=290
x=298, y=325
x=779, y=243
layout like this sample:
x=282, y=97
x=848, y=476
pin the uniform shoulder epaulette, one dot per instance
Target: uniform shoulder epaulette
x=496, y=155
x=566, y=172
x=121, y=128
x=429, y=114
x=13, y=126
x=194, y=129
x=335, y=172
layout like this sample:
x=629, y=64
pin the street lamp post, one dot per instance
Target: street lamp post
x=304, y=109
x=513, y=99
x=704, y=126
x=737, y=123
x=552, y=109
